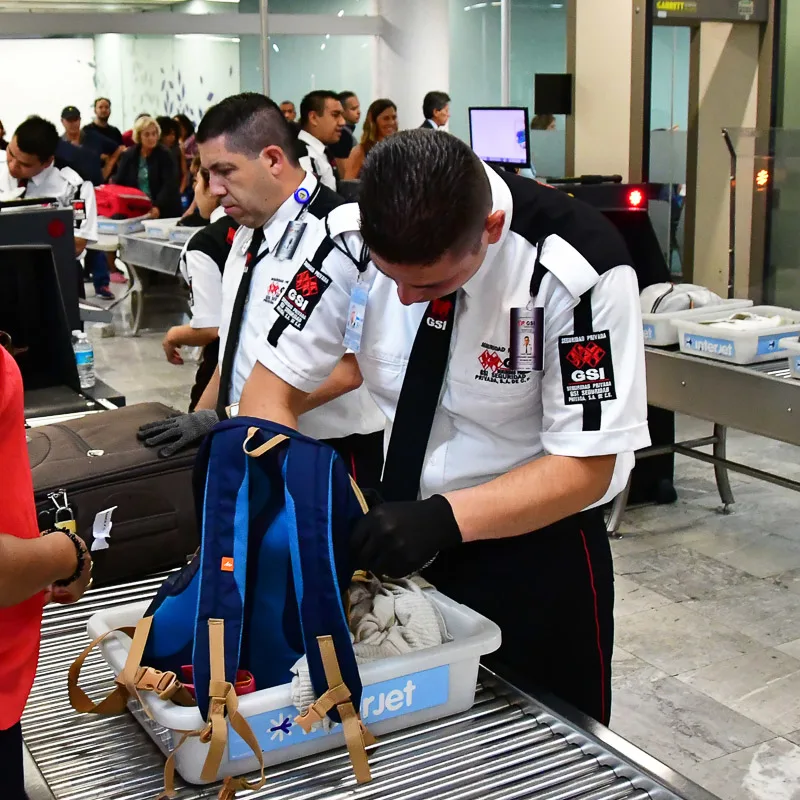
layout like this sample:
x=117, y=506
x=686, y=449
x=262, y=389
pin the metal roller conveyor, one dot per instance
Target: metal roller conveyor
x=507, y=747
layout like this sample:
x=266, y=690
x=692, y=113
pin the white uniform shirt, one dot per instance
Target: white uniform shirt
x=490, y=419
x=66, y=186
x=354, y=412
x=317, y=161
x=204, y=277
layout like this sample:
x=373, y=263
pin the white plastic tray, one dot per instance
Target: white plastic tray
x=793, y=348
x=159, y=228
x=659, y=331
x=120, y=227
x=398, y=692
x=735, y=347
x=182, y=233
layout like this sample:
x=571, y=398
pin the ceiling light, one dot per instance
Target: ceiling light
x=223, y=1
x=341, y=13
x=556, y=5
x=206, y=37
x=276, y=48
x=479, y=5
x=327, y=36
x=322, y=46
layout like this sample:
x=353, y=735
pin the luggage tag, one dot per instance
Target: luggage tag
x=527, y=336
x=290, y=240
x=355, y=317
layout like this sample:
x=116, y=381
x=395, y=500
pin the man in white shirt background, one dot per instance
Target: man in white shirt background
x=321, y=123
x=29, y=165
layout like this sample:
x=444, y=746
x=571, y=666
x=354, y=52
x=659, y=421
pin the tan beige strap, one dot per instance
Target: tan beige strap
x=263, y=448
x=79, y=700
x=222, y=697
x=165, y=684
x=131, y=669
x=169, y=767
x=317, y=711
x=359, y=495
x=421, y=582
x=356, y=736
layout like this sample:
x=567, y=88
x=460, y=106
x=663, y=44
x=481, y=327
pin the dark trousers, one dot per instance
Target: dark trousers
x=12, y=775
x=205, y=372
x=363, y=454
x=552, y=594
x=97, y=266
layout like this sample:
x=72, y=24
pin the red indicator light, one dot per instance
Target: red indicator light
x=56, y=228
x=635, y=198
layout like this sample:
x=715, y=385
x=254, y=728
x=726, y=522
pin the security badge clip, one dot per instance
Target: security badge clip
x=527, y=333
x=290, y=240
x=355, y=317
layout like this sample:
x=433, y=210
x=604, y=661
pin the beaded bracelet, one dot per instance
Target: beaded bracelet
x=80, y=551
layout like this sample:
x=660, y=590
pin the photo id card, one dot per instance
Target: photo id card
x=527, y=333
x=290, y=240
x=355, y=318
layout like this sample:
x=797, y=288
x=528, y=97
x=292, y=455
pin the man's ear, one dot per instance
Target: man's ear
x=494, y=225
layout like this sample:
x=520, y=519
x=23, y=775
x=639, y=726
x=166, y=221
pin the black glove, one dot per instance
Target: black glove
x=396, y=539
x=181, y=431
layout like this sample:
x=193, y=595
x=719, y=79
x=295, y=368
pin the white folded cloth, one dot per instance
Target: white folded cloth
x=386, y=619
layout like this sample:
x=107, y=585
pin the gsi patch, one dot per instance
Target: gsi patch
x=587, y=368
x=302, y=295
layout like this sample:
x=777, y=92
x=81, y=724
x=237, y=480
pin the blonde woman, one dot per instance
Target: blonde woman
x=149, y=166
x=380, y=122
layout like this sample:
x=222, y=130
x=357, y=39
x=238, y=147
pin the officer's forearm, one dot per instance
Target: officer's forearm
x=531, y=496
x=346, y=377
x=267, y=396
x=80, y=245
x=208, y=400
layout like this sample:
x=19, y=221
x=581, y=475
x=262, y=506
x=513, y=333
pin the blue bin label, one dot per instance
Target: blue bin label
x=84, y=358
x=649, y=332
x=380, y=701
x=797, y=364
x=773, y=344
x=724, y=348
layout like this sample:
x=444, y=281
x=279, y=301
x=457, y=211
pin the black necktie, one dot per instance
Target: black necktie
x=22, y=183
x=419, y=398
x=234, y=329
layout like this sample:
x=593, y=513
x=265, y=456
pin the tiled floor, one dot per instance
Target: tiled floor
x=707, y=661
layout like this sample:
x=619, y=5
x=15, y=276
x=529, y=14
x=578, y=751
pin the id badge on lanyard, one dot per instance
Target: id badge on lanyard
x=527, y=336
x=290, y=240
x=355, y=317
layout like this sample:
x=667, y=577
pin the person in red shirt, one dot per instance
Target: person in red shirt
x=32, y=569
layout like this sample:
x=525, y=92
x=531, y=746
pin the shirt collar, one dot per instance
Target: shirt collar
x=309, y=138
x=217, y=213
x=289, y=210
x=43, y=176
x=435, y=126
x=501, y=201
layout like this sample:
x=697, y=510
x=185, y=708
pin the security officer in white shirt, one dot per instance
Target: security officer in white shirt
x=247, y=148
x=28, y=165
x=498, y=457
x=321, y=124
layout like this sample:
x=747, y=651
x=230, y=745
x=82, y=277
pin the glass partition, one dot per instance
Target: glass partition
x=767, y=199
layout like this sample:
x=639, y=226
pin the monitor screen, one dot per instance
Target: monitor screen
x=500, y=135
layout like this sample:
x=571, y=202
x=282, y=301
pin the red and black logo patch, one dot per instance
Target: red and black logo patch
x=587, y=368
x=302, y=295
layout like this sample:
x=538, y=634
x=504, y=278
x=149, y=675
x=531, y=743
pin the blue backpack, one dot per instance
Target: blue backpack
x=267, y=586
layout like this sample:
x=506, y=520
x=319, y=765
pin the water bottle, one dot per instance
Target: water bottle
x=84, y=357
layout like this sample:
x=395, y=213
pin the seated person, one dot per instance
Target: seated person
x=202, y=262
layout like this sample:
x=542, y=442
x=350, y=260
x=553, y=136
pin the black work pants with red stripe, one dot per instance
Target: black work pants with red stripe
x=552, y=594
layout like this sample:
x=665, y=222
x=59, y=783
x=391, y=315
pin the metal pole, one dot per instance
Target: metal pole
x=264, y=18
x=505, y=52
x=731, y=215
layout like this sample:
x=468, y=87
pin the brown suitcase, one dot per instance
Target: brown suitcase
x=153, y=526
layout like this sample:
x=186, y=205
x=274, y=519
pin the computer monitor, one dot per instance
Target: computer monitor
x=499, y=135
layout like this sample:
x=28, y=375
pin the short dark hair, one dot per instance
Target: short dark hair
x=287, y=103
x=315, y=101
x=423, y=194
x=168, y=126
x=37, y=137
x=345, y=96
x=98, y=99
x=434, y=101
x=185, y=123
x=249, y=122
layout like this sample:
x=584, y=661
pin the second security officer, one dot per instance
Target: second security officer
x=247, y=148
x=501, y=450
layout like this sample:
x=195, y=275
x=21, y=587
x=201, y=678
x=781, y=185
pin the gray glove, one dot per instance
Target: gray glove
x=180, y=431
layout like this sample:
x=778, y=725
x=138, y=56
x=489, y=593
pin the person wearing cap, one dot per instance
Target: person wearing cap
x=28, y=165
x=105, y=149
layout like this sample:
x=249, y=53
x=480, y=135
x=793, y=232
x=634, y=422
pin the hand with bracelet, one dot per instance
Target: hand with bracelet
x=71, y=587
